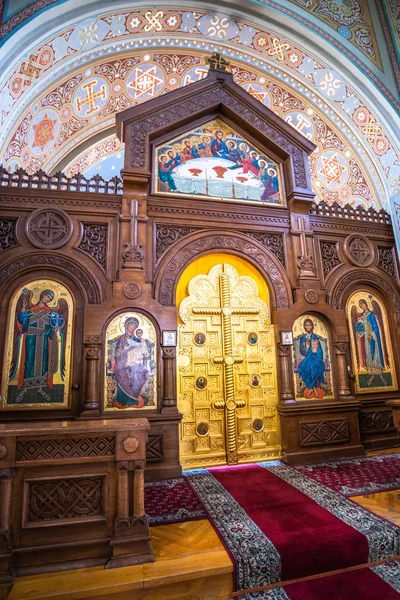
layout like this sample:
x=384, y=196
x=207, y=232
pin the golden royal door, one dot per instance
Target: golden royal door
x=227, y=388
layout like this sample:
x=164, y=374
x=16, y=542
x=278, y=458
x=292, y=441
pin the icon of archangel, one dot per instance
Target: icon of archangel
x=311, y=359
x=37, y=372
x=371, y=345
x=131, y=369
x=215, y=161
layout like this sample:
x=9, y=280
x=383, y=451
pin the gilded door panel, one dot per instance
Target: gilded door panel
x=227, y=388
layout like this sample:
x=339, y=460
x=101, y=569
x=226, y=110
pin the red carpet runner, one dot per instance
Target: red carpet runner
x=377, y=583
x=357, y=476
x=279, y=525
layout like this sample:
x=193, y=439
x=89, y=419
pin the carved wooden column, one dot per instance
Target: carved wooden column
x=131, y=543
x=6, y=476
x=395, y=406
x=123, y=493
x=7, y=457
x=285, y=370
x=169, y=387
x=344, y=392
x=138, y=492
x=91, y=400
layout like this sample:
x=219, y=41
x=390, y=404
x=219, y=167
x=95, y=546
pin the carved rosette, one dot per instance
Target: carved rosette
x=359, y=250
x=132, y=291
x=49, y=228
x=311, y=296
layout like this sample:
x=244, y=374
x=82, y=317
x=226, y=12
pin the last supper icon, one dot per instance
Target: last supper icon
x=215, y=161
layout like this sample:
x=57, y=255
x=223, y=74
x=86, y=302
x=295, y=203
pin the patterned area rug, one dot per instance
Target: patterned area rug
x=377, y=583
x=357, y=476
x=279, y=525
x=172, y=501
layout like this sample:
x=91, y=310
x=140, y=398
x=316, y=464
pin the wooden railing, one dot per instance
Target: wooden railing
x=60, y=182
x=79, y=183
x=358, y=213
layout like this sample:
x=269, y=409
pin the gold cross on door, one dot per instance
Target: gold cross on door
x=226, y=372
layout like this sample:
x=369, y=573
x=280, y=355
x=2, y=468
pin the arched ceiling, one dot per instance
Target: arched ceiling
x=60, y=91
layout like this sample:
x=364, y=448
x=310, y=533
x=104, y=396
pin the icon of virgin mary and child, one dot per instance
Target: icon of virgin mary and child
x=131, y=365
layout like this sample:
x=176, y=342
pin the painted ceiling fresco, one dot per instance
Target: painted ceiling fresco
x=361, y=29
x=350, y=18
x=71, y=85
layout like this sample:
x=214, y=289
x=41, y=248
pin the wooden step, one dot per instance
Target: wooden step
x=190, y=562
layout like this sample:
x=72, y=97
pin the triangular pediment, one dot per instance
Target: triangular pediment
x=150, y=126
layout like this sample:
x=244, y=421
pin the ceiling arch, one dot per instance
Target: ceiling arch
x=50, y=110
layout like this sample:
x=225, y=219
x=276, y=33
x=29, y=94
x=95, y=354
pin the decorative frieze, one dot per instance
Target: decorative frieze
x=28, y=450
x=325, y=432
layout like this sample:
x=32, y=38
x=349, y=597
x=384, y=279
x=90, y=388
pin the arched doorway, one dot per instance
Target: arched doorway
x=226, y=367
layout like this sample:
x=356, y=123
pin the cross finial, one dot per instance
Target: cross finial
x=217, y=62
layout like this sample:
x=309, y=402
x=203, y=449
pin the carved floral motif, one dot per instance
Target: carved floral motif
x=386, y=261
x=94, y=242
x=329, y=256
x=166, y=235
x=7, y=234
x=272, y=241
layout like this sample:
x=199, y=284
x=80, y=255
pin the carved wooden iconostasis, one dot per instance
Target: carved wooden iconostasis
x=98, y=289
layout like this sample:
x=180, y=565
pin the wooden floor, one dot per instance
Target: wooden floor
x=191, y=562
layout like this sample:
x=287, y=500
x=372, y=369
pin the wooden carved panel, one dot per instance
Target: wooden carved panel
x=7, y=234
x=65, y=449
x=239, y=245
x=95, y=242
x=325, y=432
x=155, y=448
x=386, y=261
x=62, y=499
x=377, y=422
x=329, y=256
x=166, y=235
x=272, y=241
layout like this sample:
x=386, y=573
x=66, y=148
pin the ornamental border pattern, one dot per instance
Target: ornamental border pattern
x=257, y=560
x=383, y=537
